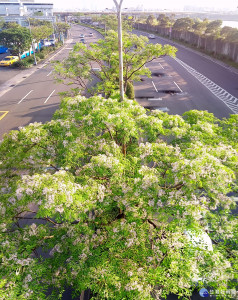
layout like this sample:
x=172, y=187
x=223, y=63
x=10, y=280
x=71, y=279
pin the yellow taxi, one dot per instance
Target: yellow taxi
x=8, y=60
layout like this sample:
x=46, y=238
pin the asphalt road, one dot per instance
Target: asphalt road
x=190, y=81
x=32, y=95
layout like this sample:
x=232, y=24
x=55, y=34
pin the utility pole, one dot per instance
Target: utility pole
x=118, y=8
x=32, y=43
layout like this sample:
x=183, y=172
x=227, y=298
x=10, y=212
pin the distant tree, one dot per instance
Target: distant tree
x=199, y=26
x=7, y=25
x=61, y=27
x=36, y=22
x=229, y=34
x=2, y=22
x=38, y=13
x=164, y=20
x=213, y=27
x=151, y=20
x=41, y=32
x=183, y=24
x=17, y=38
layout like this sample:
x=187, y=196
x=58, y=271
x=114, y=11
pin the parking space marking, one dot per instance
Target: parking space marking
x=155, y=87
x=161, y=66
x=178, y=87
x=24, y=97
x=49, y=96
x=4, y=114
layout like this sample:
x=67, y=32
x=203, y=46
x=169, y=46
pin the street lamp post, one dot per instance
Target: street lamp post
x=118, y=8
x=32, y=45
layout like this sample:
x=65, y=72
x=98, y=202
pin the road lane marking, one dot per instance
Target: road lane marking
x=161, y=66
x=154, y=99
x=155, y=87
x=178, y=87
x=215, y=89
x=25, y=97
x=49, y=73
x=4, y=114
x=49, y=96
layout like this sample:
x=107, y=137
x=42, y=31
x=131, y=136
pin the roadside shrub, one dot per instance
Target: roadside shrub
x=130, y=90
x=40, y=55
x=24, y=63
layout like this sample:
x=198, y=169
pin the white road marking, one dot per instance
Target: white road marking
x=155, y=87
x=163, y=109
x=49, y=96
x=49, y=73
x=24, y=97
x=161, y=66
x=228, y=99
x=178, y=87
x=154, y=99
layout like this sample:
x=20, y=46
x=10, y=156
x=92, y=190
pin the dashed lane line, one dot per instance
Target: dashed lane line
x=228, y=99
x=4, y=114
x=25, y=97
x=49, y=96
x=49, y=73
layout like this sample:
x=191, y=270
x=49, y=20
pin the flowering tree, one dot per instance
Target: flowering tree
x=105, y=197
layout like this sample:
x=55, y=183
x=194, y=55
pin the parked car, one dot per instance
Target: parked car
x=81, y=36
x=82, y=41
x=8, y=60
x=151, y=36
x=90, y=34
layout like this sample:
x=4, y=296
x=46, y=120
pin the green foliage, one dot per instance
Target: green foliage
x=36, y=22
x=61, y=27
x=229, y=34
x=17, y=38
x=199, y=26
x=24, y=63
x=41, y=32
x=38, y=13
x=104, y=55
x=110, y=191
x=151, y=20
x=213, y=27
x=164, y=20
x=130, y=90
x=183, y=24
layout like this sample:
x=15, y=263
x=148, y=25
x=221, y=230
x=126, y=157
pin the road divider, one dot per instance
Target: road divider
x=49, y=96
x=25, y=97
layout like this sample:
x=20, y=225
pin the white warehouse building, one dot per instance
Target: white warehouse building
x=19, y=11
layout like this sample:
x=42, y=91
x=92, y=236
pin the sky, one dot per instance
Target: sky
x=148, y=4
